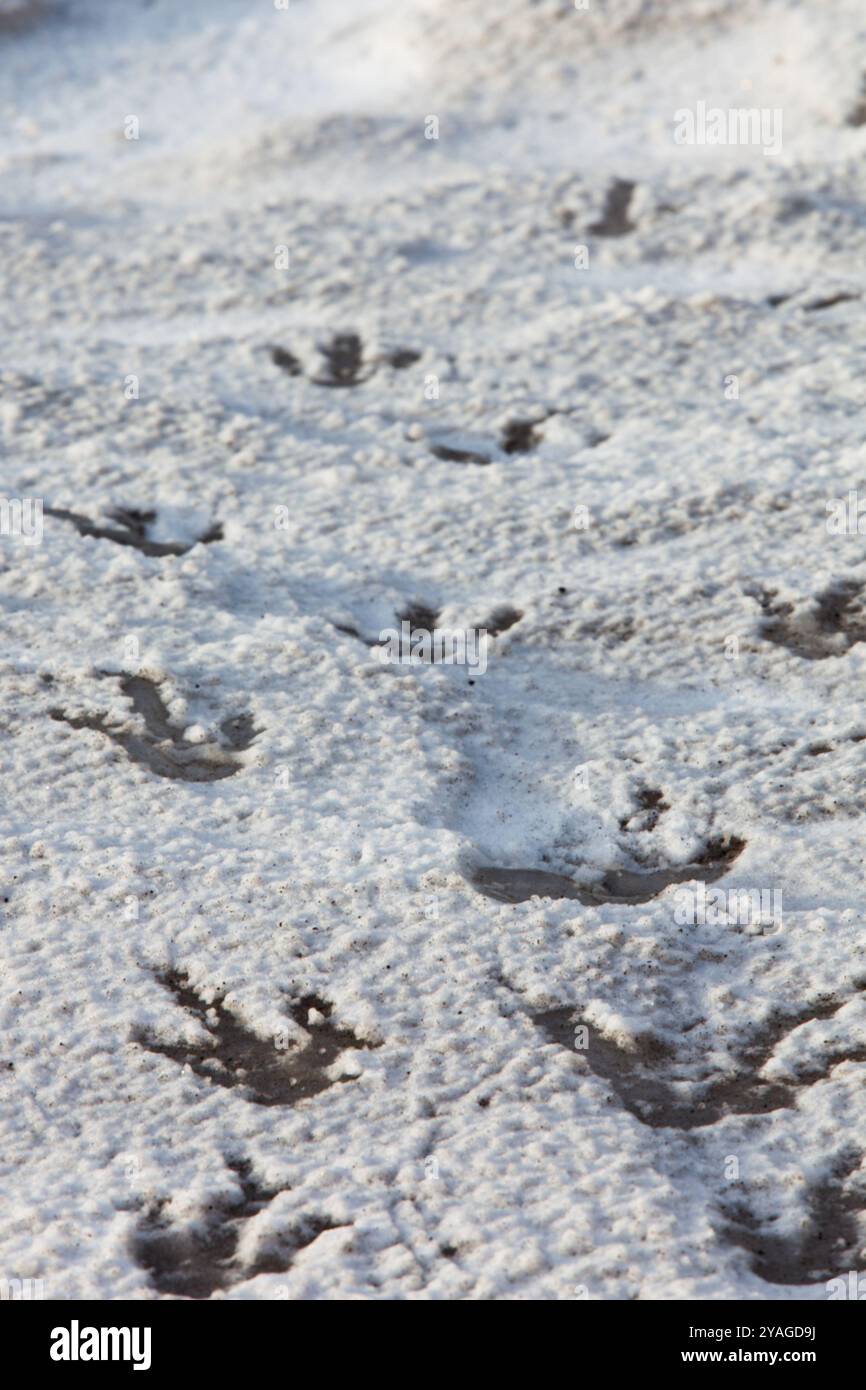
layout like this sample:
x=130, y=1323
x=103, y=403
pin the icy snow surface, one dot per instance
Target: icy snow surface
x=265, y=1032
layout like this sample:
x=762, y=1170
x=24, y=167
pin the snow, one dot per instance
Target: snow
x=677, y=642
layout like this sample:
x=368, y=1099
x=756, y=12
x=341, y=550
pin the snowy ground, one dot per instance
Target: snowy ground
x=262, y=1035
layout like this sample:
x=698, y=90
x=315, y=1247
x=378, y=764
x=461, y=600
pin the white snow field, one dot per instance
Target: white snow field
x=299, y=340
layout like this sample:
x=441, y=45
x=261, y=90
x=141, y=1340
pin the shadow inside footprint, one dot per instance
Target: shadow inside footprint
x=162, y=748
x=195, y=1261
x=617, y=885
x=640, y=886
x=651, y=807
x=828, y=1246
x=239, y=732
x=832, y=623
x=273, y=1071
x=280, y=1251
x=518, y=885
x=661, y=1102
x=664, y=1094
x=133, y=530
x=643, y=1095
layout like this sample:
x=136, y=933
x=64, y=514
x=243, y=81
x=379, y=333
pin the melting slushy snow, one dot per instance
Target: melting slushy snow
x=598, y=393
